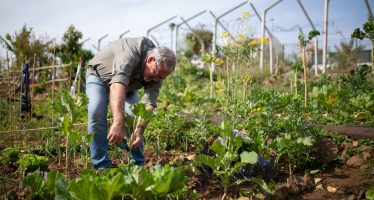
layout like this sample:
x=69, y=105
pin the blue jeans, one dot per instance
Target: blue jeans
x=98, y=96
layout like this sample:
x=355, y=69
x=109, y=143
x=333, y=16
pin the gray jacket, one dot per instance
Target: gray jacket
x=122, y=61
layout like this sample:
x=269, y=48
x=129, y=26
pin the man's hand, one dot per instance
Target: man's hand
x=116, y=134
x=136, y=137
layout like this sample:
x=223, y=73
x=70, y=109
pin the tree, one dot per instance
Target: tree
x=69, y=50
x=25, y=45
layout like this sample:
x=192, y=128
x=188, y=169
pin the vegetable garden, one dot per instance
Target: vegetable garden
x=231, y=133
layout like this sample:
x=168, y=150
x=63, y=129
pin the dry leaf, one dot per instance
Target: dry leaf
x=332, y=189
x=317, y=180
x=191, y=157
x=319, y=187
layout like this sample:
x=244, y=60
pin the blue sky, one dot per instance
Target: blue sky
x=98, y=18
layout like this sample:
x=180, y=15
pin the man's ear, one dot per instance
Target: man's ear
x=150, y=59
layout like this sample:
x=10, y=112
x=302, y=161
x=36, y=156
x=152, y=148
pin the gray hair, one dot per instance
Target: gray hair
x=164, y=56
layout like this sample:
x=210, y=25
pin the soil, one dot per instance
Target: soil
x=344, y=175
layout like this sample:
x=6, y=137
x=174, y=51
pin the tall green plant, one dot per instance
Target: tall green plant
x=296, y=69
x=367, y=32
x=303, y=42
x=140, y=115
x=70, y=111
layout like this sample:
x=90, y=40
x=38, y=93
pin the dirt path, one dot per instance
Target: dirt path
x=356, y=132
x=353, y=174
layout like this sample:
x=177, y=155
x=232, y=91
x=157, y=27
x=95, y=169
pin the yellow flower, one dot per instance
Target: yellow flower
x=219, y=87
x=240, y=37
x=257, y=41
x=245, y=15
x=225, y=38
x=358, y=115
x=253, y=42
x=219, y=61
x=257, y=109
x=247, y=78
x=265, y=40
x=225, y=34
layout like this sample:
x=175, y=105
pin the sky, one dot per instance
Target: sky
x=96, y=18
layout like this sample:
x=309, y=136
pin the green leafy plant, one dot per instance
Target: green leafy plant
x=326, y=97
x=293, y=149
x=296, y=69
x=126, y=181
x=268, y=188
x=107, y=185
x=169, y=130
x=32, y=162
x=367, y=32
x=141, y=114
x=158, y=146
x=156, y=182
x=370, y=193
x=71, y=111
x=303, y=41
x=363, y=105
x=9, y=155
x=84, y=148
x=44, y=189
x=357, y=80
x=226, y=161
x=52, y=145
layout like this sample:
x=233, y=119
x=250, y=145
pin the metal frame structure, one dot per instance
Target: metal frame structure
x=124, y=33
x=369, y=8
x=325, y=35
x=160, y=24
x=99, y=41
x=176, y=27
x=263, y=32
x=270, y=39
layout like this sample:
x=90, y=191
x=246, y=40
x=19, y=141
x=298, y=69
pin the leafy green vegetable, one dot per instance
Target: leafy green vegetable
x=370, y=193
x=130, y=181
x=226, y=160
x=9, y=155
x=32, y=162
x=43, y=189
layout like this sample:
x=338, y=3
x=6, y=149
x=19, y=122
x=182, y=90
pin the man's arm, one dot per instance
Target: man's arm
x=117, y=97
